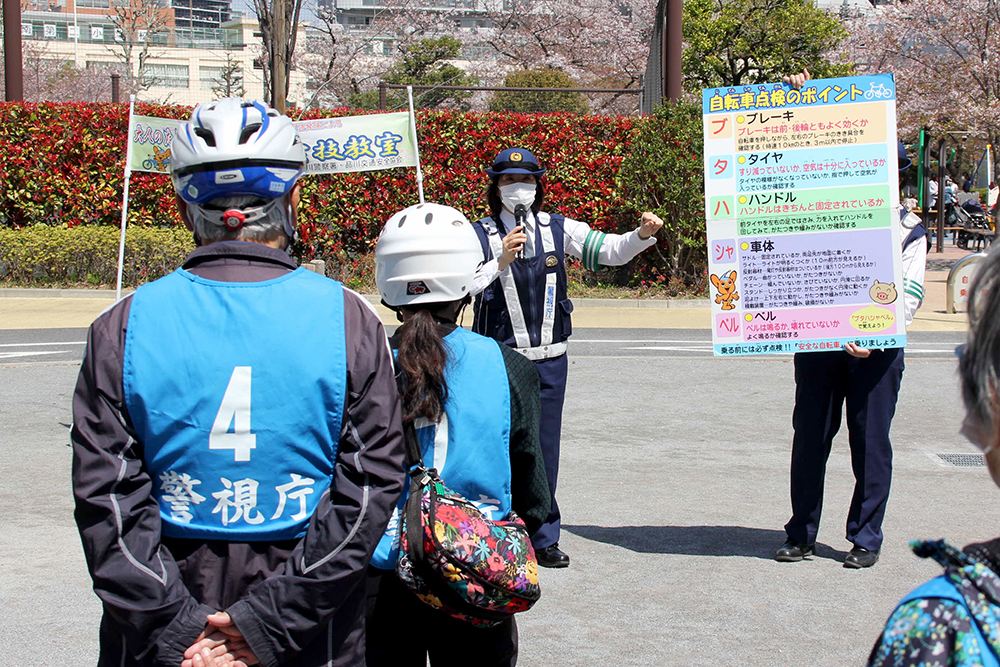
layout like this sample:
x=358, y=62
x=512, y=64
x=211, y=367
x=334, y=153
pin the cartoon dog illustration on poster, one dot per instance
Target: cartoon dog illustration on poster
x=727, y=290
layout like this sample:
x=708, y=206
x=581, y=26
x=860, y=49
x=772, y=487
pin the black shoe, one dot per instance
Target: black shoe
x=552, y=556
x=792, y=552
x=861, y=557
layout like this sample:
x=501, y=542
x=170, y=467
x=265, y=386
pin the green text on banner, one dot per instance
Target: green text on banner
x=357, y=143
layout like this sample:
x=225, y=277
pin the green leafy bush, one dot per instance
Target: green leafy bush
x=663, y=173
x=63, y=167
x=45, y=255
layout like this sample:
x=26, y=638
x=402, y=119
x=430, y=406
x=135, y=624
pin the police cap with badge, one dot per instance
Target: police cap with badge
x=515, y=161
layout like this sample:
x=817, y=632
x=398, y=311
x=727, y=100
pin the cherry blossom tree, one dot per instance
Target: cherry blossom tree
x=601, y=43
x=946, y=60
x=49, y=77
x=344, y=62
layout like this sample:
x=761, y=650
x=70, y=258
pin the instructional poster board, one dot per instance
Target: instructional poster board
x=801, y=204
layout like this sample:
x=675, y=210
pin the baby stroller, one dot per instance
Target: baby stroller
x=971, y=217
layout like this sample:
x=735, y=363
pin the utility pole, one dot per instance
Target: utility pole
x=13, y=77
x=673, y=40
x=279, y=51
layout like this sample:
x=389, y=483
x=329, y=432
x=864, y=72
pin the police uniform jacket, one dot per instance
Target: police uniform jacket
x=503, y=304
x=914, y=261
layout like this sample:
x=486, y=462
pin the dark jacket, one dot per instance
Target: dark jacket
x=156, y=591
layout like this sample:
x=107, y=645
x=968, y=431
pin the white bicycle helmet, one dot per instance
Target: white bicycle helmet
x=233, y=147
x=426, y=253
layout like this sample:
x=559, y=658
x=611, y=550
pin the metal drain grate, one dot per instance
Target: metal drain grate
x=964, y=460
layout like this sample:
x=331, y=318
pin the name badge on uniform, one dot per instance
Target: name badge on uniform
x=551, y=261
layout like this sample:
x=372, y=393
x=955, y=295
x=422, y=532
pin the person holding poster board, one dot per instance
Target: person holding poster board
x=521, y=296
x=868, y=380
x=237, y=440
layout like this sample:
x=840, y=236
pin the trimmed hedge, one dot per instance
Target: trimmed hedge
x=63, y=166
x=46, y=255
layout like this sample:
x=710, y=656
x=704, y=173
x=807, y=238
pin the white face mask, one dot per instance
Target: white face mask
x=517, y=193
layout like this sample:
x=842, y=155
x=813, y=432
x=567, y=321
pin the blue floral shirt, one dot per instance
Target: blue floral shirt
x=937, y=633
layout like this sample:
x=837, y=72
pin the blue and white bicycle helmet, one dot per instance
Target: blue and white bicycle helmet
x=233, y=147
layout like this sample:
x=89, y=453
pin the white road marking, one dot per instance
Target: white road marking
x=71, y=342
x=11, y=355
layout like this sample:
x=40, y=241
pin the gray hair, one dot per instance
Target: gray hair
x=269, y=228
x=979, y=364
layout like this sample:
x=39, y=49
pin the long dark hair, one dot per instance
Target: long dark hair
x=496, y=205
x=422, y=356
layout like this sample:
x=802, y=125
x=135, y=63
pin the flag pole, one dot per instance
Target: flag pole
x=416, y=148
x=128, y=175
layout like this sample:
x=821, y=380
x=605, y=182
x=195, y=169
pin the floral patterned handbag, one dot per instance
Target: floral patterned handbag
x=456, y=559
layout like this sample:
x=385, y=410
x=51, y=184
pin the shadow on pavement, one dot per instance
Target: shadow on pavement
x=696, y=540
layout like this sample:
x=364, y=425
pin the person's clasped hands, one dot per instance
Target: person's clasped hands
x=220, y=644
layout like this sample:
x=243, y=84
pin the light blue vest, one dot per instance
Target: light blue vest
x=470, y=447
x=236, y=392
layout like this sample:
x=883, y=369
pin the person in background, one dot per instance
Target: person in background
x=475, y=405
x=521, y=298
x=954, y=619
x=237, y=442
x=993, y=199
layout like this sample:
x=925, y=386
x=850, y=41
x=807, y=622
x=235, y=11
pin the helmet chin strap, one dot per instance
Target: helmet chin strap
x=291, y=232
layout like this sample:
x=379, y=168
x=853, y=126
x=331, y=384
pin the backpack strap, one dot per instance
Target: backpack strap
x=943, y=589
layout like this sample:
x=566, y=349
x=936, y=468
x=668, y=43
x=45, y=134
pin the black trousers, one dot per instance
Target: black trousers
x=824, y=381
x=402, y=631
x=552, y=383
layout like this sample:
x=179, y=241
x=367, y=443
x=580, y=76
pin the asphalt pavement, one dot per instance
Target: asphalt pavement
x=673, y=487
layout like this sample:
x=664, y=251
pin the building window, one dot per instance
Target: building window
x=99, y=4
x=213, y=77
x=167, y=76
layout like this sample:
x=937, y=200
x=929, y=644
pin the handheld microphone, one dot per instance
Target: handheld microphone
x=521, y=218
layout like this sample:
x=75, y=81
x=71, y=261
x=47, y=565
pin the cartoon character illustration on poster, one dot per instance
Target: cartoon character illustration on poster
x=884, y=293
x=727, y=290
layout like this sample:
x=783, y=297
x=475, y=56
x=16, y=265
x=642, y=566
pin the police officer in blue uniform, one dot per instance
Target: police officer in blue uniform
x=521, y=296
x=868, y=382
x=237, y=442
